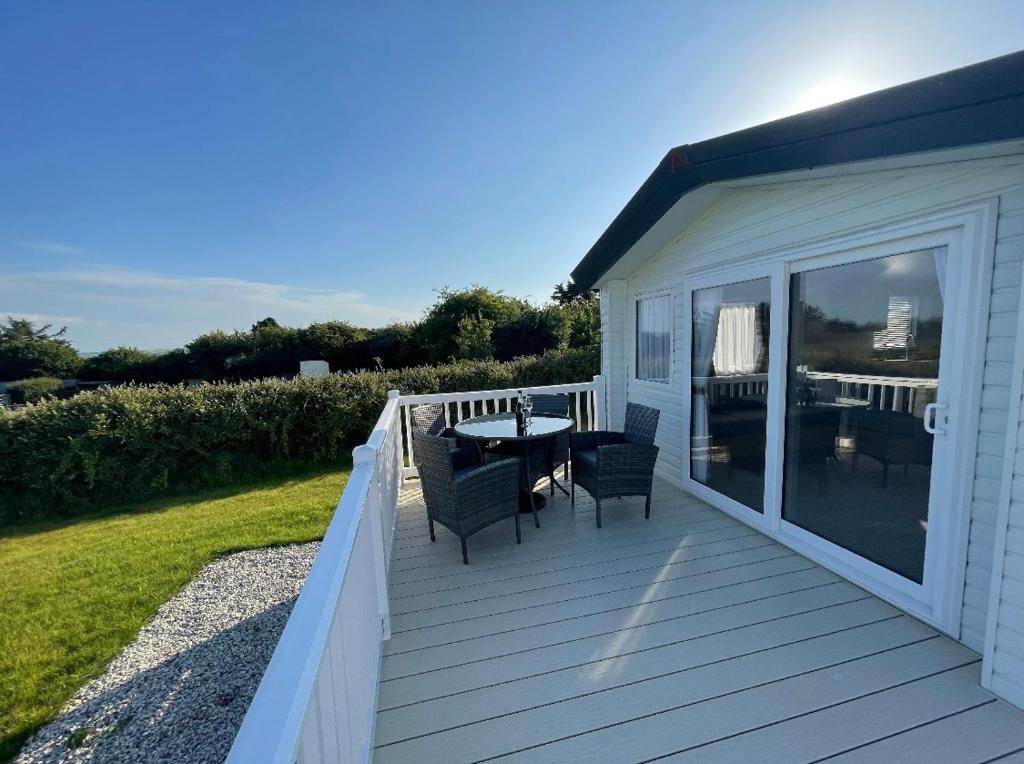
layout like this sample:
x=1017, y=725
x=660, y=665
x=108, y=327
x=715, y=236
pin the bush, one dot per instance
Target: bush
x=34, y=389
x=122, y=444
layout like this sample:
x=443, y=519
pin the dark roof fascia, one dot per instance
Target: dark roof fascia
x=978, y=104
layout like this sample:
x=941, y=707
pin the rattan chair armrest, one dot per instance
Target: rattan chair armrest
x=595, y=438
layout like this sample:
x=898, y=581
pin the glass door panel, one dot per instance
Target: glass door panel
x=863, y=365
x=729, y=389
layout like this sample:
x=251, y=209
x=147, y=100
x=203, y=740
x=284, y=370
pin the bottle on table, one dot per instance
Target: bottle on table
x=520, y=415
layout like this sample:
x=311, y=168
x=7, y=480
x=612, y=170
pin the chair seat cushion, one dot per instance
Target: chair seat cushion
x=459, y=473
x=586, y=456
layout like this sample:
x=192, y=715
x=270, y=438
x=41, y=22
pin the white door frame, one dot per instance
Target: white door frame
x=969, y=234
x=724, y=277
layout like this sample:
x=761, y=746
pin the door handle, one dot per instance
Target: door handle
x=931, y=418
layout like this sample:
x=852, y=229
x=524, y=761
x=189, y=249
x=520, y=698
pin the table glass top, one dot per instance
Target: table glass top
x=503, y=427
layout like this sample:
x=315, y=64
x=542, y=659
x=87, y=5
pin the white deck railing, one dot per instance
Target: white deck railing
x=891, y=393
x=904, y=389
x=317, y=699
x=583, y=406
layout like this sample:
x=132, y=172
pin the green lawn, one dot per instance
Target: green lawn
x=75, y=592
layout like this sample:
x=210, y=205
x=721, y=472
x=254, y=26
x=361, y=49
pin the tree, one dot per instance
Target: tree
x=265, y=323
x=567, y=292
x=582, y=324
x=474, y=339
x=28, y=351
x=19, y=329
x=336, y=342
x=533, y=332
x=120, y=364
x=390, y=346
x=437, y=334
x=211, y=352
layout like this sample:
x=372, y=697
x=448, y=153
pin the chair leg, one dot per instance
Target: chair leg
x=551, y=482
x=519, y=534
x=465, y=556
x=647, y=508
x=533, y=509
x=430, y=522
x=598, y=503
x=572, y=488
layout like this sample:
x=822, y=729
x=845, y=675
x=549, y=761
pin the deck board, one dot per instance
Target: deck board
x=688, y=637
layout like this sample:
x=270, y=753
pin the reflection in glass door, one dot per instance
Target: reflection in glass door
x=862, y=369
x=729, y=389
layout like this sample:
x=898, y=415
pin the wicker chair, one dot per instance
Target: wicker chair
x=429, y=418
x=461, y=493
x=613, y=464
x=555, y=405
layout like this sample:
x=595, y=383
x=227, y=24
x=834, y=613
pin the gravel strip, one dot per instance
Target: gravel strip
x=179, y=691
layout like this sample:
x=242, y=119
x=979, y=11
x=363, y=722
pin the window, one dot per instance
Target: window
x=729, y=389
x=654, y=338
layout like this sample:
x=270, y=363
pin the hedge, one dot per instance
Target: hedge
x=34, y=389
x=121, y=444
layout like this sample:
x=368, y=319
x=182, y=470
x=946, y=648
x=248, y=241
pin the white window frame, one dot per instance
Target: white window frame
x=969, y=233
x=635, y=335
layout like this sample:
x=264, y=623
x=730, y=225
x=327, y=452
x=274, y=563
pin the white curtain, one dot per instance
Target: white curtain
x=653, y=338
x=738, y=345
x=706, y=306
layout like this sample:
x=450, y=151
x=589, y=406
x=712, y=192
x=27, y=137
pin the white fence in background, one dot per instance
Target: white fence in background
x=890, y=393
x=902, y=390
x=584, y=406
x=316, y=701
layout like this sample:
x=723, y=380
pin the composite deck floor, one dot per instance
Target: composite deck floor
x=688, y=637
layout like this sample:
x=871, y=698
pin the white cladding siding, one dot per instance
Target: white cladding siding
x=613, y=349
x=758, y=223
x=1004, y=650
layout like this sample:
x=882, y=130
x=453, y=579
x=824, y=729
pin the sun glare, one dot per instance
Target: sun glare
x=828, y=91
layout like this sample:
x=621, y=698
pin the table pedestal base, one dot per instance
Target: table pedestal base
x=524, y=501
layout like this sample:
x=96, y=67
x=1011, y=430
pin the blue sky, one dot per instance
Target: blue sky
x=170, y=168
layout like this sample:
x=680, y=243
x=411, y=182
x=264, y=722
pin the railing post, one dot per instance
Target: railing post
x=600, y=403
x=397, y=467
x=363, y=454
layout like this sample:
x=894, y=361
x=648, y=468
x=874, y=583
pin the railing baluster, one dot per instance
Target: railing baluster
x=408, y=435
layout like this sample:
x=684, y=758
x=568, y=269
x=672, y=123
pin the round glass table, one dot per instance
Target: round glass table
x=540, y=433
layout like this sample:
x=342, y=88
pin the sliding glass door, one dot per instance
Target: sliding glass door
x=833, y=393
x=729, y=389
x=864, y=348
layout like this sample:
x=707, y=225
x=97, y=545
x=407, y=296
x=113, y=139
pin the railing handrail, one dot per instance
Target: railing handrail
x=511, y=392
x=875, y=379
x=839, y=376
x=271, y=729
x=587, y=405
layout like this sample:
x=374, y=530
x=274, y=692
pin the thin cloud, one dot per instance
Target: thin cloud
x=50, y=248
x=120, y=306
x=40, y=318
